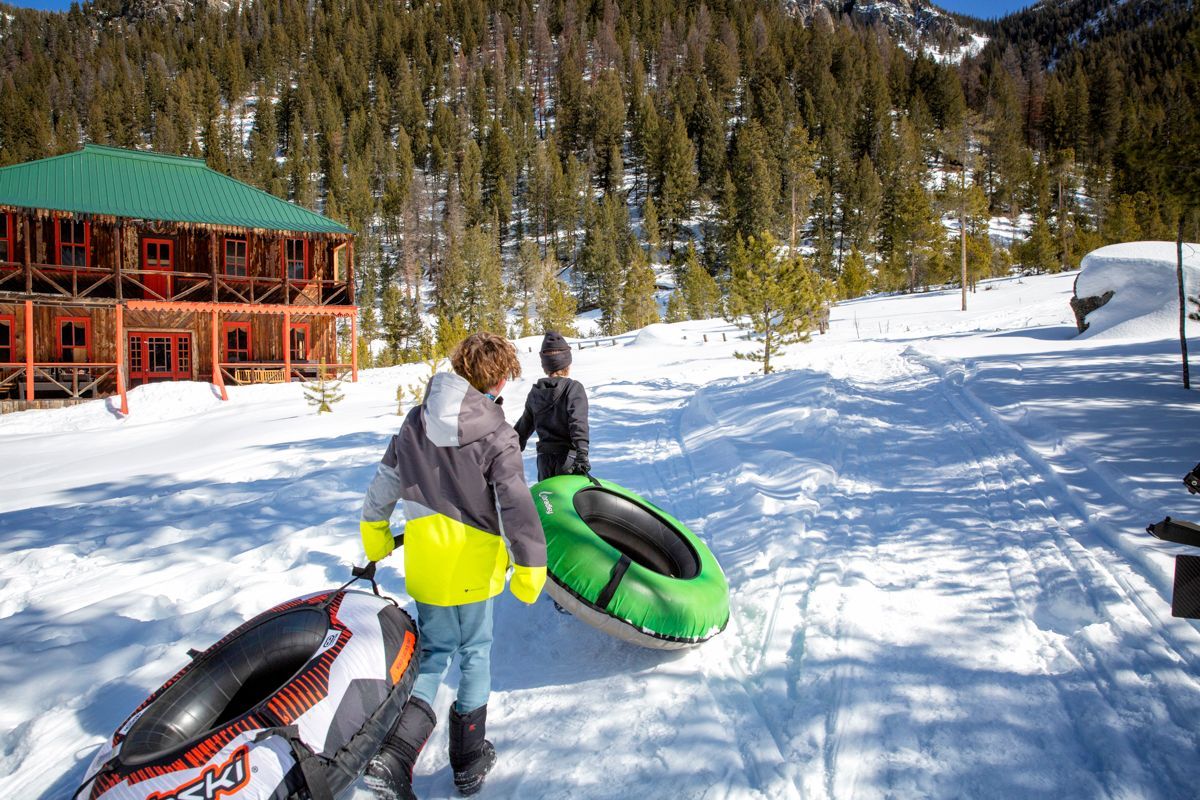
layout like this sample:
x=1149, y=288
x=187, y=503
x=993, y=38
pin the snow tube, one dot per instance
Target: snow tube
x=625, y=566
x=291, y=705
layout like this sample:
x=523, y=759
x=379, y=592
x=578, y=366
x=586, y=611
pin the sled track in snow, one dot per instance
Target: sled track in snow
x=1098, y=580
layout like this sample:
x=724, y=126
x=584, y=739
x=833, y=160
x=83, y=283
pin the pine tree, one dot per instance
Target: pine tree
x=638, y=306
x=558, y=308
x=651, y=233
x=323, y=393
x=757, y=185
x=679, y=181
x=528, y=285
x=487, y=296
x=801, y=182
x=779, y=298
x=855, y=280
x=700, y=292
x=677, y=307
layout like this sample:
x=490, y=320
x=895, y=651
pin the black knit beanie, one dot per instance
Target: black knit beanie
x=556, y=353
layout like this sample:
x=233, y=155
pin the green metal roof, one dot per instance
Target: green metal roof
x=144, y=185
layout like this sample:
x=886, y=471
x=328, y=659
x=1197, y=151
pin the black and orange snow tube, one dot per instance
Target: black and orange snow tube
x=291, y=705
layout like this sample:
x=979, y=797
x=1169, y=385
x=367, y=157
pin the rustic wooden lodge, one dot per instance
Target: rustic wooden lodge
x=122, y=267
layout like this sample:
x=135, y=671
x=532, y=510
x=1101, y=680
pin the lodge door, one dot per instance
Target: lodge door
x=155, y=356
x=158, y=261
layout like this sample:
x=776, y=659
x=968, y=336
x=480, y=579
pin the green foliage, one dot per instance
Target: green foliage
x=677, y=310
x=421, y=124
x=777, y=297
x=856, y=279
x=701, y=295
x=638, y=305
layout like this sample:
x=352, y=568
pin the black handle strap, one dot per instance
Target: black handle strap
x=366, y=573
x=1176, y=530
x=614, y=580
x=310, y=766
x=592, y=478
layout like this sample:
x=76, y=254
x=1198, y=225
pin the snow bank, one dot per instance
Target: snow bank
x=662, y=334
x=1142, y=278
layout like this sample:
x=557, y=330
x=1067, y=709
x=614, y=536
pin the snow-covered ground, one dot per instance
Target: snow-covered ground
x=932, y=522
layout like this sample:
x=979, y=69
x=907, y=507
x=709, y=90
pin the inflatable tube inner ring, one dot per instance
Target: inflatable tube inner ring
x=232, y=680
x=637, y=532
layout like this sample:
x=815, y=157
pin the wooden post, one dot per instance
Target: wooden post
x=121, y=359
x=213, y=244
x=29, y=350
x=287, y=346
x=218, y=379
x=350, y=273
x=28, y=258
x=118, y=230
x=353, y=347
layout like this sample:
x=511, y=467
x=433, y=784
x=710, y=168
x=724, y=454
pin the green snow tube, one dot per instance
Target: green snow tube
x=627, y=567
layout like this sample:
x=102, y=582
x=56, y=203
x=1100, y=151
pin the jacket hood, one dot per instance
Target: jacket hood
x=456, y=413
x=546, y=392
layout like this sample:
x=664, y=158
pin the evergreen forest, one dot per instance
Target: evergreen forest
x=507, y=164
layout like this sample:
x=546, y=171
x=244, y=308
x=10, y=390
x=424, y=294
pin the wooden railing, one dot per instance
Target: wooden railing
x=74, y=380
x=82, y=282
x=244, y=372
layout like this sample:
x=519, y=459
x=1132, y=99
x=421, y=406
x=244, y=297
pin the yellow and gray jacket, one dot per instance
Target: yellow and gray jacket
x=456, y=465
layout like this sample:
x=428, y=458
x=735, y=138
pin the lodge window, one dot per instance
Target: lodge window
x=235, y=263
x=8, y=340
x=74, y=340
x=158, y=254
x=74, y=243
x=237, y=341
x=299, y=342
x=295, y=259
x=339, y=262
x=6, y=238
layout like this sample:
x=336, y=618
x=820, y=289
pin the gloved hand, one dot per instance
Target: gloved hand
x=526, y=583
x=582, y=466
x=377, y=539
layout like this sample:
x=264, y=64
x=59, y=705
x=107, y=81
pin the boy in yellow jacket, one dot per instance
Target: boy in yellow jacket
x=457, y=466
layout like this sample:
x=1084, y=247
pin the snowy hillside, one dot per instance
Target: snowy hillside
x=932, y=524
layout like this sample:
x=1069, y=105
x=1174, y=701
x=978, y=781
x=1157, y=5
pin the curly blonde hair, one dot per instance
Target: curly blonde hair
x=485, y=359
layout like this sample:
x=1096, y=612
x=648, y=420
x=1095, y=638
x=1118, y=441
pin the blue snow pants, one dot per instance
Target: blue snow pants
x=462, y=630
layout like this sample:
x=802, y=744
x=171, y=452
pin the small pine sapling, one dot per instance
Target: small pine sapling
x=323, y=393
x=414, y=393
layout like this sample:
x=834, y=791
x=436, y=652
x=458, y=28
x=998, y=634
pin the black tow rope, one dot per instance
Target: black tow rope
x=366, y=573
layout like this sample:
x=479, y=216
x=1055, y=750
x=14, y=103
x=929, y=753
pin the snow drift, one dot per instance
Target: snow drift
x=1142, y=278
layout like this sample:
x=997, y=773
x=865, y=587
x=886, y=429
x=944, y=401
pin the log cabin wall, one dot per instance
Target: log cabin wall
x=100, y=324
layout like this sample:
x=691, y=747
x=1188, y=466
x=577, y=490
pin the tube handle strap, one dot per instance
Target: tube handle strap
x=310, y=766
x=614, y=580
x=1179, y=531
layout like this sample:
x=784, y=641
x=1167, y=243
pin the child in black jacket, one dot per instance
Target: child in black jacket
x=557, y=409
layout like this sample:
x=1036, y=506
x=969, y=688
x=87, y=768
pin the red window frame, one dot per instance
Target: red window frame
x=160, y=242
x=225, y=242
x=8, y=239
x=288, y=262
x=11, y=347
x=86, y=324
x=307, y=329
x=59, y=244
x=226, y=328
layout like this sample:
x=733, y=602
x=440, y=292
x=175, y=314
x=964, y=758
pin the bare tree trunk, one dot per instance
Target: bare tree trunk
x=1182, y=302
x=962, y=228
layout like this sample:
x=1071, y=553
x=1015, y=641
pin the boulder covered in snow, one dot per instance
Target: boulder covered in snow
x=1130, y=289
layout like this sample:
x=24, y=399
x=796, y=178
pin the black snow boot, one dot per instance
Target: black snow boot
x=471, y=755
x=389, y=775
